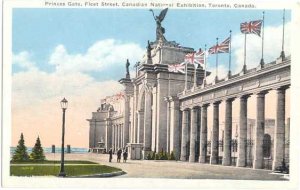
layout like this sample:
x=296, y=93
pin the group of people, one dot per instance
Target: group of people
x=119, y=155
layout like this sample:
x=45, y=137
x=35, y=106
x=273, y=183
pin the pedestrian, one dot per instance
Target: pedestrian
x=125, y=154
x=110, y=152
x=119, y=154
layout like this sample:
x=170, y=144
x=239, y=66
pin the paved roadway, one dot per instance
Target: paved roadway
x=173, y=169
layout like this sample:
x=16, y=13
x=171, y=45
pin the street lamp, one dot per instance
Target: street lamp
x=64, y=105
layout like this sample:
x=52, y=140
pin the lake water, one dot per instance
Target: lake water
x=57, y=150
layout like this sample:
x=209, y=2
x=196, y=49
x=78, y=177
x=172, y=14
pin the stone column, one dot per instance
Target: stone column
x=122, y=135
x=260, y=130
x=148, y=122
x=175, y=132
x=279, y=138
x=193, y=134
x=227, y=133
x=215, y=135
x=154, y=119
x=242, y=138
x=108, y=140
x=112, y=136
x=115, y=136
x=162, y=91
x=203, y=135
x=118, y=136
x=140, y=135
x=184, y=135
x=126, y=120
x=168, y=124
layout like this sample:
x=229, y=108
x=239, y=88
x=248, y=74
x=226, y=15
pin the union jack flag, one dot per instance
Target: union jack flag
x=220, y=48
x=189, y=58
x=252, y=27
x=177, y=68
x=199, y=57
x=119, y=96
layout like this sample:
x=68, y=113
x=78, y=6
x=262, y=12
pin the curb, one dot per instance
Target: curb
x=113, y=174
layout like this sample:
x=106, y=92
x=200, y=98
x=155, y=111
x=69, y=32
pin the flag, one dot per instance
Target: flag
x=199, y=57
x=189, y=58
x=252, y=27
x=119, y=96
x=177, y=68
x=220, y=48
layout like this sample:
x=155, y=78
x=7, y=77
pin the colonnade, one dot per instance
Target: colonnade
x=117, y=136
x=189, y=127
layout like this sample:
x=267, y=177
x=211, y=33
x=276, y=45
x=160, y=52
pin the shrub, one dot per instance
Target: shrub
x=20, y=153
x=171, y=156
x=153, y=156
x=37, y=151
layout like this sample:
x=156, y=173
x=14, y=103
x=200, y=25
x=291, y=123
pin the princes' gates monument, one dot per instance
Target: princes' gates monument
x=164, y=110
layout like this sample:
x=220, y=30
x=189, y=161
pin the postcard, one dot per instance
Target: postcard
x=150, y=94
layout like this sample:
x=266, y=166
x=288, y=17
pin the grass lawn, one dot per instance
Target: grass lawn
x=48, y=168
x=53, y=162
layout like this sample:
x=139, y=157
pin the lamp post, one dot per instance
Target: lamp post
x=64, y=105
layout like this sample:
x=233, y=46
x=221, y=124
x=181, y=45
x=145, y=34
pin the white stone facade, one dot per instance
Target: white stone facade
x=157, y=110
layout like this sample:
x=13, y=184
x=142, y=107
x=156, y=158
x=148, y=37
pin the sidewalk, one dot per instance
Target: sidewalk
x=173, y=169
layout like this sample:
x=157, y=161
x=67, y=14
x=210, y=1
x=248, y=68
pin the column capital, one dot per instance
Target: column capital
x=262, y=93
x=230, y=99
x=184, y=109
x=194, y=108
x=283, y=88
x=205, y=105
x=245, y=96
x=217, y=103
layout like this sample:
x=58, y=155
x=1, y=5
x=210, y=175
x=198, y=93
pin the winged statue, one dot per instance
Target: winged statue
x=158, y=19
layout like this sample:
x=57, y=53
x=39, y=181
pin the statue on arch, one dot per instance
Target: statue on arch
x=158, y=19
x=149, y=48
x=127, y=69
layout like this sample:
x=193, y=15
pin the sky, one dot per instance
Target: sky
x=80, y=54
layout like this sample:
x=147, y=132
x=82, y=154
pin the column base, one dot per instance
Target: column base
x=257, y=164
x=182, y=158
x=213, y=160
x=201, y=159
x=226, y=162
x=192, y=158
x=241, y=162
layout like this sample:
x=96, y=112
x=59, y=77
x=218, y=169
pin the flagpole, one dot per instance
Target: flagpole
x=229, y=69
x=262, y=40
x=282, y=55
x=216, y=79
x=204, y=81
x=244, y=67
x=195, y=75
x=185, y=84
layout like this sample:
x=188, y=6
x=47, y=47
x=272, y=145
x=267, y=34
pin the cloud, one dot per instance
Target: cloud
x=23, y=60
x=36, y=93
x=100, y=56
x=222, y=73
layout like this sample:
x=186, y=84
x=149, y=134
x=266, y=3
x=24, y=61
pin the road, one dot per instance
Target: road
x=173, y=169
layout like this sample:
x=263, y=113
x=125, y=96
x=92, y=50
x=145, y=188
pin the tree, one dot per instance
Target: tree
x=20, y=153
x=37, y=151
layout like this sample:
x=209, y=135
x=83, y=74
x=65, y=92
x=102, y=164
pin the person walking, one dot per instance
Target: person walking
x=125, y=155
x=119, y=154
x=110, y=152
